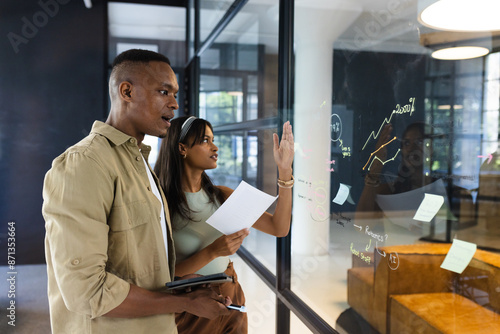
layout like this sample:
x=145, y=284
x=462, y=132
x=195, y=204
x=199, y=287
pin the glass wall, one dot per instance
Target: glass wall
x=237, y=89
x=210, y=14
x=395, y=226
x=238, y=95
x=395, y=219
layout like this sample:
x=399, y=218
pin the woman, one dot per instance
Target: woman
x=185, y=154
x=410, y=173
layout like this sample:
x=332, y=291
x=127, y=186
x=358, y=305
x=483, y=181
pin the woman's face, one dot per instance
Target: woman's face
x=203, y=155
x=412, y=148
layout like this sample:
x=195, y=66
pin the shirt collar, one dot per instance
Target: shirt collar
x=116, y=136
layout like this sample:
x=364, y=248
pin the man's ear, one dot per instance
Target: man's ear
x=125, y=90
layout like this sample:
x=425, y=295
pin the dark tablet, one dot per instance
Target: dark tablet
x=214, y=278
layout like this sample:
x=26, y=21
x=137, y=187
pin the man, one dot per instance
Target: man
x=108, y=244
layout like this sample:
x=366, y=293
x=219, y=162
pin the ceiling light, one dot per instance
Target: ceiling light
x=448, y=107
x=460, y=52
x=234, y=93
x=460, y=15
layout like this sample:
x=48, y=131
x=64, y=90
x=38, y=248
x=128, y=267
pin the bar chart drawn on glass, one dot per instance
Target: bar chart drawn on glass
x=408, y=108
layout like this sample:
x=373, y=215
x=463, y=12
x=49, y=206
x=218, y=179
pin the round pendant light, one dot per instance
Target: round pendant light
x=460, y=52
x=460, y=15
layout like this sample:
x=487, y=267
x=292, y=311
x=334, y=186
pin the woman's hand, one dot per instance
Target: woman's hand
x=222, y=246
x=228, y=244
x=283, y=151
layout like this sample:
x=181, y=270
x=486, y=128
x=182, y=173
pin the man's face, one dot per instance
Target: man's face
x=153, y=100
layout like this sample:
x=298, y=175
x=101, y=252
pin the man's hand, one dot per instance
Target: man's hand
x=206, y=303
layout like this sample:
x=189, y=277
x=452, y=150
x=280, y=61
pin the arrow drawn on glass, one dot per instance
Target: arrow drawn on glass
x=376, y=247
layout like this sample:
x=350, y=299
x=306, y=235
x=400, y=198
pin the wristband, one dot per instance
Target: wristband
x=286, y=184
x=372, y=181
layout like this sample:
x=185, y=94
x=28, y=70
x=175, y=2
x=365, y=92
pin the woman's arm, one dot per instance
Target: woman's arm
x=222, y=246
x=278, y=224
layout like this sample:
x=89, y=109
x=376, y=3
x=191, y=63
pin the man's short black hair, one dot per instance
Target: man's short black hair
x=139, y=55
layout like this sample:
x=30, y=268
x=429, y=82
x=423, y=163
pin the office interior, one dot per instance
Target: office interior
x=388, y=236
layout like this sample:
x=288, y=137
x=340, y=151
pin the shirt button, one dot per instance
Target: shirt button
x=75, y=262
x=149, y=188
x=132, y=140
x=138, y=158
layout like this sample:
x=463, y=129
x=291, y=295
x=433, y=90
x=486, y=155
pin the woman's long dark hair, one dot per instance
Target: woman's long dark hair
x=169, y=167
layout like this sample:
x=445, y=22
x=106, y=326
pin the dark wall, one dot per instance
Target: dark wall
x=368, y=86
x=52, y=87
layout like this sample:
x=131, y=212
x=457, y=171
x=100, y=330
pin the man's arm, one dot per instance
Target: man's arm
x=78, y=195
x=141, y=302
x=77, y=198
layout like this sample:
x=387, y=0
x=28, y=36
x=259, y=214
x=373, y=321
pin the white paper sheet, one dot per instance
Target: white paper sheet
x=459, y=256
x=341, y=194
x=401, y=208
x=241, y=210
x=429, y=207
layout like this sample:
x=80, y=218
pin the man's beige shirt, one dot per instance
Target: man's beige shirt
x=103, y=232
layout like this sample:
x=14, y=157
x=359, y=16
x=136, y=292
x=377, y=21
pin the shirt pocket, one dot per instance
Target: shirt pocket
x=133, y=242
x=128, y=216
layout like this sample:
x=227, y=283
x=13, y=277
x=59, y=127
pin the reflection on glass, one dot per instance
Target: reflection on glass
x=221, y=107
x=229, y=164
x=239, y=83
x=260, y=300
x=242, y=64
x=297, y=326
x=411, y=163
x=211, y=12
x=229, y=83
x=191, y=29
x=132, y=25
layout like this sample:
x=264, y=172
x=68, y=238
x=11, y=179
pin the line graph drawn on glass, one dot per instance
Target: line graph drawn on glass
x=408, y=108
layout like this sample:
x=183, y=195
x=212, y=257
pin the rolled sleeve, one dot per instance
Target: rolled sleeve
x=78, y=195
